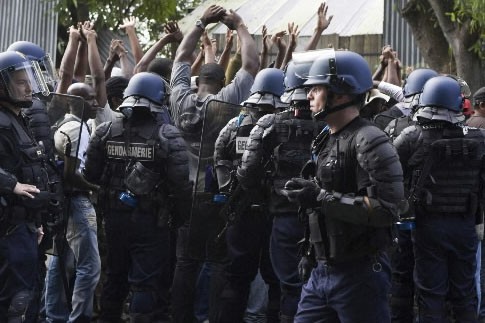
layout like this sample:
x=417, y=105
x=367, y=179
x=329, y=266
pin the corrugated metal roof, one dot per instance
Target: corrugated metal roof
x=29, y=20
x=352, y=17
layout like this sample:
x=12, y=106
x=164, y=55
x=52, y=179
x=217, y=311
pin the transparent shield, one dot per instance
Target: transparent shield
x=66, y=145
x=205, y=222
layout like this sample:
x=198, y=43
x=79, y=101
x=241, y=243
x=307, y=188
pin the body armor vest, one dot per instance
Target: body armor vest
x=338, y=170
x=396, y=126
x=239, y=137
x=31, y=168
x=292, y=141
x=133, y=151
x=452, y=185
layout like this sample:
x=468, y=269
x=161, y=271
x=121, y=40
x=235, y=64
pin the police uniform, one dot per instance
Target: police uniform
x=278, y=148
x=146, y=187
x=445, y=163
x=352, y=202
x=22, y=160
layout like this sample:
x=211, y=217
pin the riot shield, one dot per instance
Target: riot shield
x=55, y=219
x=205, y=222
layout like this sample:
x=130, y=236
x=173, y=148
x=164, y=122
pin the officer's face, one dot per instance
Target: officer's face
x=19, y=87
x=317, y=95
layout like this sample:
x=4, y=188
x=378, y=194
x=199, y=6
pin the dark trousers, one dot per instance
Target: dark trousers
x=402, y=290
x=287, y=232
x=445, y=255
x=138, y=257
x=354, y=291
x=248, y=251
x=19, y=274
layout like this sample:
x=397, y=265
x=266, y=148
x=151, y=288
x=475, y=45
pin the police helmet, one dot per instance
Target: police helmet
x=415, y=81
x=343, y=72
x=269, y=80
x=146, y=85
x=14, y=66
x=442, y=92
x=35, y=53
x=267, y=88
x=296, y=73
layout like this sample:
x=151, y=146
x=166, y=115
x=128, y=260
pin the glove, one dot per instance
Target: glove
x=303, y=192
x=305, y=267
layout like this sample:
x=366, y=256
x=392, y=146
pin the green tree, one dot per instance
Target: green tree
x=153, y=14
x=450, y=35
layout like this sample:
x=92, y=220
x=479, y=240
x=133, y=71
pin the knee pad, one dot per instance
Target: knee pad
x=19, y=304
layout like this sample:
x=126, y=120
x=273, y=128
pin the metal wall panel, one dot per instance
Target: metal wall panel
x=30, y=20
x=398, y=34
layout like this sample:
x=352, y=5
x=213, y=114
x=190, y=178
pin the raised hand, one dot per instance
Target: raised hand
x=293, y=33
x=128, y=23
x=173, y=32
x=323, y=22
x=212, y=14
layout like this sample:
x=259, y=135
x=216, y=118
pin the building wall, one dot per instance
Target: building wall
x=398, y=34
x=29, y=20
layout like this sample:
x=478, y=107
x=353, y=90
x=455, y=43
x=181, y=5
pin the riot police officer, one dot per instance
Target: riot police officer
x=354, y=197
x=411, y=89
x=24, y=190
x=445, y=162
x=247, y=235
x=402, y=290
x=39, y=123
x=281, y=155
x=146, y=171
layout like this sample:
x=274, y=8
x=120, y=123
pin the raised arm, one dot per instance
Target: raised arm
x=111, y=60
x=81, y=64
x=129, y=27
x=187, y=46
x=293, y=37
x=249, y=54
x=66, y=68
x=126, y=65
x=226, y=53
x=281, y=44
x=172, y=35
x=265, y=48
x=95, y=64
x=322, y=23
x=209, y=54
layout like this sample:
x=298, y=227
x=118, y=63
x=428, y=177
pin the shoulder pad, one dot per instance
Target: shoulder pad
x=266, y=121
x=169, y=132
x=368, y=137
x=5, y=121
x=103, y=129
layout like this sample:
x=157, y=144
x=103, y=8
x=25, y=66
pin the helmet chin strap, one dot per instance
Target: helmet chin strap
x=321, y=115
x=18, y=104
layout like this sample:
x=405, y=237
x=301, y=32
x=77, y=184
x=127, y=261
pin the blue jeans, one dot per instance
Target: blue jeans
x=353, y=291
x=83, y=244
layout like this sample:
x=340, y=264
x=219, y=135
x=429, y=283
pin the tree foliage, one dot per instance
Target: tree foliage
x=472, y=12
x=456, y=34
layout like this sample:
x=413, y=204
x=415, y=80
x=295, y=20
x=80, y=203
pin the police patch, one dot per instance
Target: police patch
x=241, y=144
x=119, y=150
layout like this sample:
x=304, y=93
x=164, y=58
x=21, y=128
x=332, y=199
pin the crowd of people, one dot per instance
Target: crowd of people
x=221, y=187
